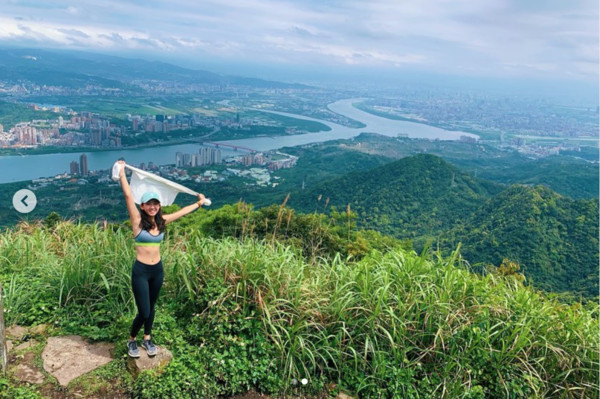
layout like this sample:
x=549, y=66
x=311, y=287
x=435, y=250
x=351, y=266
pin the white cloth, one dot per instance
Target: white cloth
x=142, y=181
x=116, y=170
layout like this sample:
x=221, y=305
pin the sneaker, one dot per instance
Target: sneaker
x=132, y=349
x=150, y=347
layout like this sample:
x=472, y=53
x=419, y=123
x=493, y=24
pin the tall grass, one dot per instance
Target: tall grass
x=78, y=267
x=423, y=320
x=394, y=324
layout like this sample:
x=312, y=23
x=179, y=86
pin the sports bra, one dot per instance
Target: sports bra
x=145, y=239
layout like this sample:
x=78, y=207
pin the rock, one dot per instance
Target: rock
x=16, y=332
x=145, y=362
x=26, y=373
x=69, y=357
x=26, y=345
x=39, y=329
x=342, y=395
x=9, y=346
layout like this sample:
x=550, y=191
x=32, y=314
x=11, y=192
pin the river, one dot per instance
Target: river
x=28, y=167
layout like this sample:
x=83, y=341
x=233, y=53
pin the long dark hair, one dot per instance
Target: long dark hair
x=148, y=224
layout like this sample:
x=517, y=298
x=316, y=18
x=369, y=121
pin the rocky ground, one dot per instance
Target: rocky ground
x=60, y=367
x=71, y=367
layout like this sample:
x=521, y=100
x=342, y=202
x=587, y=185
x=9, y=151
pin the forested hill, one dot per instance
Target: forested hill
x=413, y=197
x=553, y=238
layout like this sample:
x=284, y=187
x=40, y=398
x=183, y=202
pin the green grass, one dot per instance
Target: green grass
x=257, y=314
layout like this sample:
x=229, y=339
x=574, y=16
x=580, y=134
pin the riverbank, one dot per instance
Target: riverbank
x=68, y=150
x=22, y=166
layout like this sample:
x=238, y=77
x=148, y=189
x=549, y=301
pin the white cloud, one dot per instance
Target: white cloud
x=485, y=36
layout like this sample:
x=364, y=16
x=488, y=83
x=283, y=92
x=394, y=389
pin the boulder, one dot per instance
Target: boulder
x=69, y=357
x=40, y=329
x=145, y=362
x=16, y=332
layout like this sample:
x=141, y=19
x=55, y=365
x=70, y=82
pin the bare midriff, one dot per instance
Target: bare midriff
x=148, y=255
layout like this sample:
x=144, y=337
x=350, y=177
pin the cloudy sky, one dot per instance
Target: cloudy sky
x=514, y=38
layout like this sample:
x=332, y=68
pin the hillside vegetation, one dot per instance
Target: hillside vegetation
x=243, y=313
x=553, y=238
x=424, y=199
x=413, y=197
x=13, y=113
x=569, y=176
x=573, y=173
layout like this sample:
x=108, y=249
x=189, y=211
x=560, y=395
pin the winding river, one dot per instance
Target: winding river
x=28, y=167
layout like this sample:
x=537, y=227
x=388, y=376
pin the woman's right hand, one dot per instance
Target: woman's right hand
x=122, y=171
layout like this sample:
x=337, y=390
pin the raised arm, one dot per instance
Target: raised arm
x=184, y=211
x=134, y=213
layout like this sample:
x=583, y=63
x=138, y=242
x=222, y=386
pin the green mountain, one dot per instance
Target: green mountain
x=572, y=173
x=414, y=197
x=567, y=175
x=553, y=238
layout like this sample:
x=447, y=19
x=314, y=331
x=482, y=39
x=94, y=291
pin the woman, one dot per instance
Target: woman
x=147, y=276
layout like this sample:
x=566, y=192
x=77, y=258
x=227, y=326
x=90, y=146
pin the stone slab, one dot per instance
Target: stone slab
x=69, y=357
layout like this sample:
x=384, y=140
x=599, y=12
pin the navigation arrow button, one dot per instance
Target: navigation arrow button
x=24, y=201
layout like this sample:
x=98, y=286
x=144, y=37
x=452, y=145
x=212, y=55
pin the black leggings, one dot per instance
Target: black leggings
x=146, y=281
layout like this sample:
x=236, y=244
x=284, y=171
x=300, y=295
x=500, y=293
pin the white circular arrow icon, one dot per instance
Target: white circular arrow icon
x=24, y=201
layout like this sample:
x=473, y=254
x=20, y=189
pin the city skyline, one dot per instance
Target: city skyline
x=495, y=39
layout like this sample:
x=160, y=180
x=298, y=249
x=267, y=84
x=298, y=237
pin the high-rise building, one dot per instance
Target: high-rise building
x=216, y=156
x=74, y=167
x=83, y=164
x=248, y=159
x=202, y=156
x=96, y=137
x=208, y=156
x=179, y=159
x=26, y=134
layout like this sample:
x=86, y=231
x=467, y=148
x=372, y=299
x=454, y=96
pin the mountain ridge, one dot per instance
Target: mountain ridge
x=417, y=183
x=426, y=199
x=39, y=66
